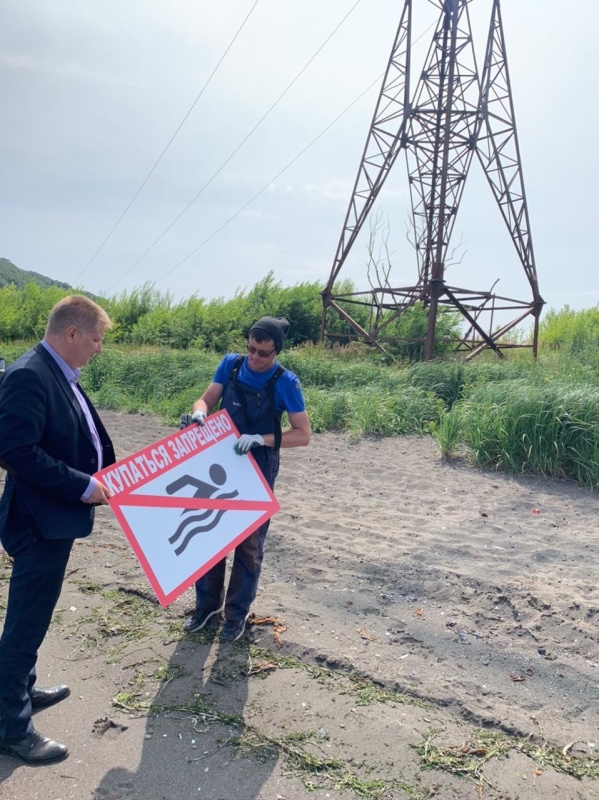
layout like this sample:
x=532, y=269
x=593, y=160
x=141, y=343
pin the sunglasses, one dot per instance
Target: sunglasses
x=261, y=353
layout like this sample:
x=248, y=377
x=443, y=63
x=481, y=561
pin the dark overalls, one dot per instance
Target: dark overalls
x=252, y=411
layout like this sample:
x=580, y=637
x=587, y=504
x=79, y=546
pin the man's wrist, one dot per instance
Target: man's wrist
x=90, y=489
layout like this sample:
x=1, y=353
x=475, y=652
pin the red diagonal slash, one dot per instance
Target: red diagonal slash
x=159, y=501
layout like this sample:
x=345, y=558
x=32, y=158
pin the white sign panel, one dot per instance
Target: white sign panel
x=186, y=501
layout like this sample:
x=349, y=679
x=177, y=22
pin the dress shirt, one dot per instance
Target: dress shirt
x=72, y=375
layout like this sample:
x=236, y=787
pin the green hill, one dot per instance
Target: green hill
x=9, y=273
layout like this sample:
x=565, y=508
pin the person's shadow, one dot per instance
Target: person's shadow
x=196, y=743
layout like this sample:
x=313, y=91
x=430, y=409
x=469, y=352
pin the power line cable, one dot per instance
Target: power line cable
x=278, y=175
x=170, y=141
x=272, y=180
x=235, y=151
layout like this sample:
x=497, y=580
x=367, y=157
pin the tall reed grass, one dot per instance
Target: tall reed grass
x=550, y=430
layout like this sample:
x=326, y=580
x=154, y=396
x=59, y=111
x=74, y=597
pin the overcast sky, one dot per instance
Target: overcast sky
x=91, y=93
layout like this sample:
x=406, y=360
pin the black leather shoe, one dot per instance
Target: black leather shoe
x=40, y=698
x=36, y=748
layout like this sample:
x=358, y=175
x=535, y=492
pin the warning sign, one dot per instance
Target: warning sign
x=186, y=501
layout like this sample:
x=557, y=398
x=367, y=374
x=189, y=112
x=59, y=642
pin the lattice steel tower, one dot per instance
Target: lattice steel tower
x=455, y=114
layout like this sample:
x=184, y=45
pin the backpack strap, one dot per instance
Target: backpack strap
x=236, y=367
x=270, y=390
x=233, y=378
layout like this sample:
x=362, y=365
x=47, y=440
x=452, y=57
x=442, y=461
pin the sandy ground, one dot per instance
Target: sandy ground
x=423, y=608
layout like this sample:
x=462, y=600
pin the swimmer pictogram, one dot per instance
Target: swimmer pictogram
x=210, y=518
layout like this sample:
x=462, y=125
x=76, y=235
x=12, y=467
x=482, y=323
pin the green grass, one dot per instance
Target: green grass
x=550, y=430
x=516, y=414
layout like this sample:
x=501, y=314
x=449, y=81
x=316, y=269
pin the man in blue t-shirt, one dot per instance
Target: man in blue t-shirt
x=255, y=390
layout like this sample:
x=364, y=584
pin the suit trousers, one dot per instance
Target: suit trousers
x=37, y=575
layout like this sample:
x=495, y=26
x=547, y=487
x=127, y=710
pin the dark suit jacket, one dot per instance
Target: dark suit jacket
x=47, y=447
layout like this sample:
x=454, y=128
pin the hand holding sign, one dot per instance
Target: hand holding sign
x=247, y=442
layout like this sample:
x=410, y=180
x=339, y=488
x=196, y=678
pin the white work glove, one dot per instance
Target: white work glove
x=246, y=442
x=199, y=416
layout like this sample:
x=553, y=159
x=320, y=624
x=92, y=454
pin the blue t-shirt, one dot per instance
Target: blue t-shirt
x=288, y=392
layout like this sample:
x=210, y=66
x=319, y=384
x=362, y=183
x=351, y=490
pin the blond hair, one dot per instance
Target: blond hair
x=79, y=311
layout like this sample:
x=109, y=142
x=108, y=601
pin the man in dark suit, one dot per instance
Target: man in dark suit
x=51, y=442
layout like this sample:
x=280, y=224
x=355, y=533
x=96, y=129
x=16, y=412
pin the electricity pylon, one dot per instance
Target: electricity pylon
x=454, y=115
